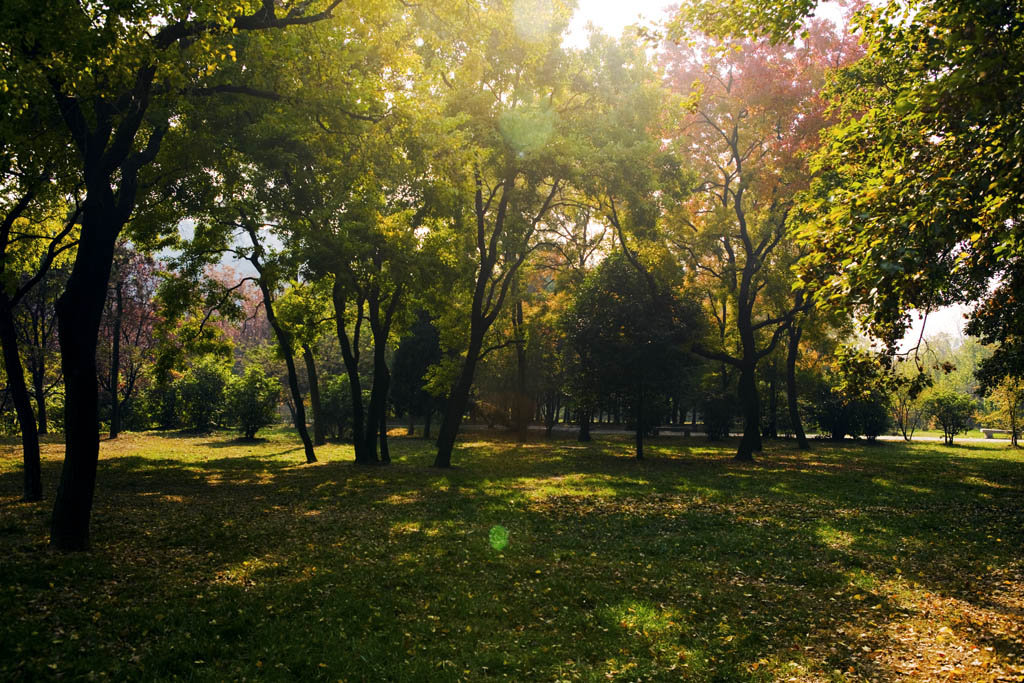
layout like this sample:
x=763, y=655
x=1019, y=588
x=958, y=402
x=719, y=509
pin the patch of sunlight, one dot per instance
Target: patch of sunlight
x=833, y=537
x=164, y=497
x=402, y=498
x=660, y=630
x=642, y=618
x=909, y=488
x=861, y=580
x=217, y=479
x=406, y=528
x=244, y=573
x=985, y=483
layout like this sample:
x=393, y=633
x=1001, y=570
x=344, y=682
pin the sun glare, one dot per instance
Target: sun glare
x=612, y=17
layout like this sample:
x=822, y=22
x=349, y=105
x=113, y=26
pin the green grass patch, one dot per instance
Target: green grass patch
x=215, y=559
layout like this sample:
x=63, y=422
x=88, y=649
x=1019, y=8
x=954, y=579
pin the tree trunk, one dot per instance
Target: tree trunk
x=411, y=429
x=300, y=408
x=385, y=450
x=747, y=395
x=33, y=483
x=39, y=388
x=319, y=438
x=772, y=432
x=520, y=418
x=350, y=355
x=792, y=351
x=115, y=362
x=79, y=310
x=284, y=340
x=379, y=393
x=640, y=421
x=458, y=400
x=585, y=417
x=426, y=423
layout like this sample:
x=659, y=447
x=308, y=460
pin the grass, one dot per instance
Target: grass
x=216, y=559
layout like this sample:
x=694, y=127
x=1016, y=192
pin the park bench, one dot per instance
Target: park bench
x=989, y=433
x=676, y=429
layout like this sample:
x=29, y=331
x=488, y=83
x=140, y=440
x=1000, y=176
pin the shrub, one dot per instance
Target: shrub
x=200, y=393
x=252, y=400
x=718, y=414
x=873, y=416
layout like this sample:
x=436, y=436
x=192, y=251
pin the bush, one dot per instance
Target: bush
x=840, y=415
x=252, y=400
x=718, y=414
x=160, y=405
x=950, y=411
x=873, y=416
x=200, y=393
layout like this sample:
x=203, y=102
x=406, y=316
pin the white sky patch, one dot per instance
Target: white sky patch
x=947, y=320
x=612, y=17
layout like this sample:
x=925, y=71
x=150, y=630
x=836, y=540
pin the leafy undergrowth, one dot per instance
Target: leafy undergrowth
x=215, y=559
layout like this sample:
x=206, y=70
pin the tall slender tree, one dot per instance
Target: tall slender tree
x=118, y=75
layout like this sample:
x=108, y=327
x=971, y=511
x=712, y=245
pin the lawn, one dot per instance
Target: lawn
x=219, y=560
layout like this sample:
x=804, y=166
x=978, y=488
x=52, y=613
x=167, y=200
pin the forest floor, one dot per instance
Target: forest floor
x=215, y=559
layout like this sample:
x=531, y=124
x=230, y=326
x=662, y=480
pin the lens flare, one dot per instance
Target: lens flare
x=533, y=19
x=498, y=537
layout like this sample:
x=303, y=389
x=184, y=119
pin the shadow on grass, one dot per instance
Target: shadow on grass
x=683, y=566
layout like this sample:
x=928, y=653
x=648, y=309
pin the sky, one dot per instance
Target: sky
x=611, y=16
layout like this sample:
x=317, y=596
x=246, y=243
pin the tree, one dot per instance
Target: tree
x=127, y=329
x=508, y=90
x=905, y=402
x=632, y=337
x=34, y=236
x=268, y=280
x=1008, y=400
x=252, y=400
x=951, y=411
x=416, y=353
x=754, y=111
x=36, y=324
x=304, y=308
x=118, y=75
x=917, y=194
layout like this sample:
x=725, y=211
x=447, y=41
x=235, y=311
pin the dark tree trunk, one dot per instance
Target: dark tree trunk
x=349, y=354
x=385, y=450
x=39, y=388
x=521, y=409
x=411, y=429
x=33, y=482
x=115, y=362
x=792, y=351
x=585, y=417
x=426, y=423
x=749, y=404
x=772, y=430
x=489, y=294
x=378, y=410
x=640, y=427
x=285, y=342
x=79, y=310
x=458, y=400
x=319, y=438
x=300, y=409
